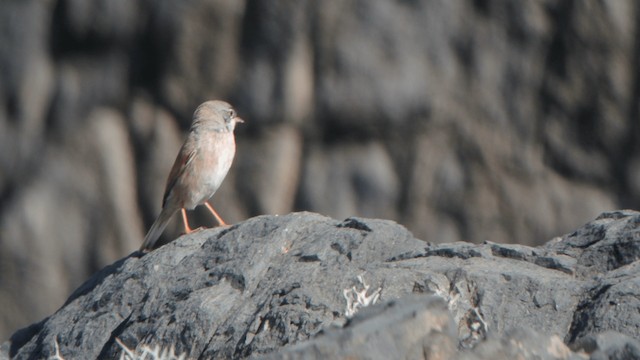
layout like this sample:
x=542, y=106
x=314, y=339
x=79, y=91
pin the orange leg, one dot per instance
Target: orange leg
x=187, y=229
x=215, y=214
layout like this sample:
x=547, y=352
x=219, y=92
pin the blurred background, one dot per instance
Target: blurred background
x=464, y=120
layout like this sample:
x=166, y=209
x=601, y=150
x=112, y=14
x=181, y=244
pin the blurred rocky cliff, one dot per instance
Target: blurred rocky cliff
x=470, y=120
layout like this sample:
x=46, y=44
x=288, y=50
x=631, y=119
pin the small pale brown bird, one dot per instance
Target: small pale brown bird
x=201, y=165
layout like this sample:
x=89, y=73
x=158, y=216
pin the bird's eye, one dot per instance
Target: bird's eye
x=232, y=113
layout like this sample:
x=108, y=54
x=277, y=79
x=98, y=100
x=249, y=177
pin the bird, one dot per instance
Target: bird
x=200, y=167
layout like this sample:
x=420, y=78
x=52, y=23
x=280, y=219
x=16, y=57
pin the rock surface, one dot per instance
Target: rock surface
x=289, y=286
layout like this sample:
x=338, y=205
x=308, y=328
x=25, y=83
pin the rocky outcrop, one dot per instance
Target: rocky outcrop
x=307, y=286
x=465, y=120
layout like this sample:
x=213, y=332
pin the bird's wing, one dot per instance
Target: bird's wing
x=184, y=158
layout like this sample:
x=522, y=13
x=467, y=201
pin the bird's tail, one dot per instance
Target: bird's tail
x=156, y=229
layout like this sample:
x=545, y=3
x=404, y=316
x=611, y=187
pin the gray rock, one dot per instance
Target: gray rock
x=609, y=345
x=371, y=186
x=289, y=286
x=415, y=327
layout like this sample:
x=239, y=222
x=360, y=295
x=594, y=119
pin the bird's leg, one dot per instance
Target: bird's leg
x=187, y=229
x=215, y=214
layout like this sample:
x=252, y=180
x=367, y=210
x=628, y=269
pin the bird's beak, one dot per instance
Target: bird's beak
x=239, y=120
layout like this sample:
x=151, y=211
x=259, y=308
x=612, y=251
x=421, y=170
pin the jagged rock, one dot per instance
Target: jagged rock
x=287, y=286
x=414, y=327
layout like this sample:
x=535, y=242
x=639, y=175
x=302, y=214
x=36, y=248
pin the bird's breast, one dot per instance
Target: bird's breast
x=209, y=167
x=217, y=159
